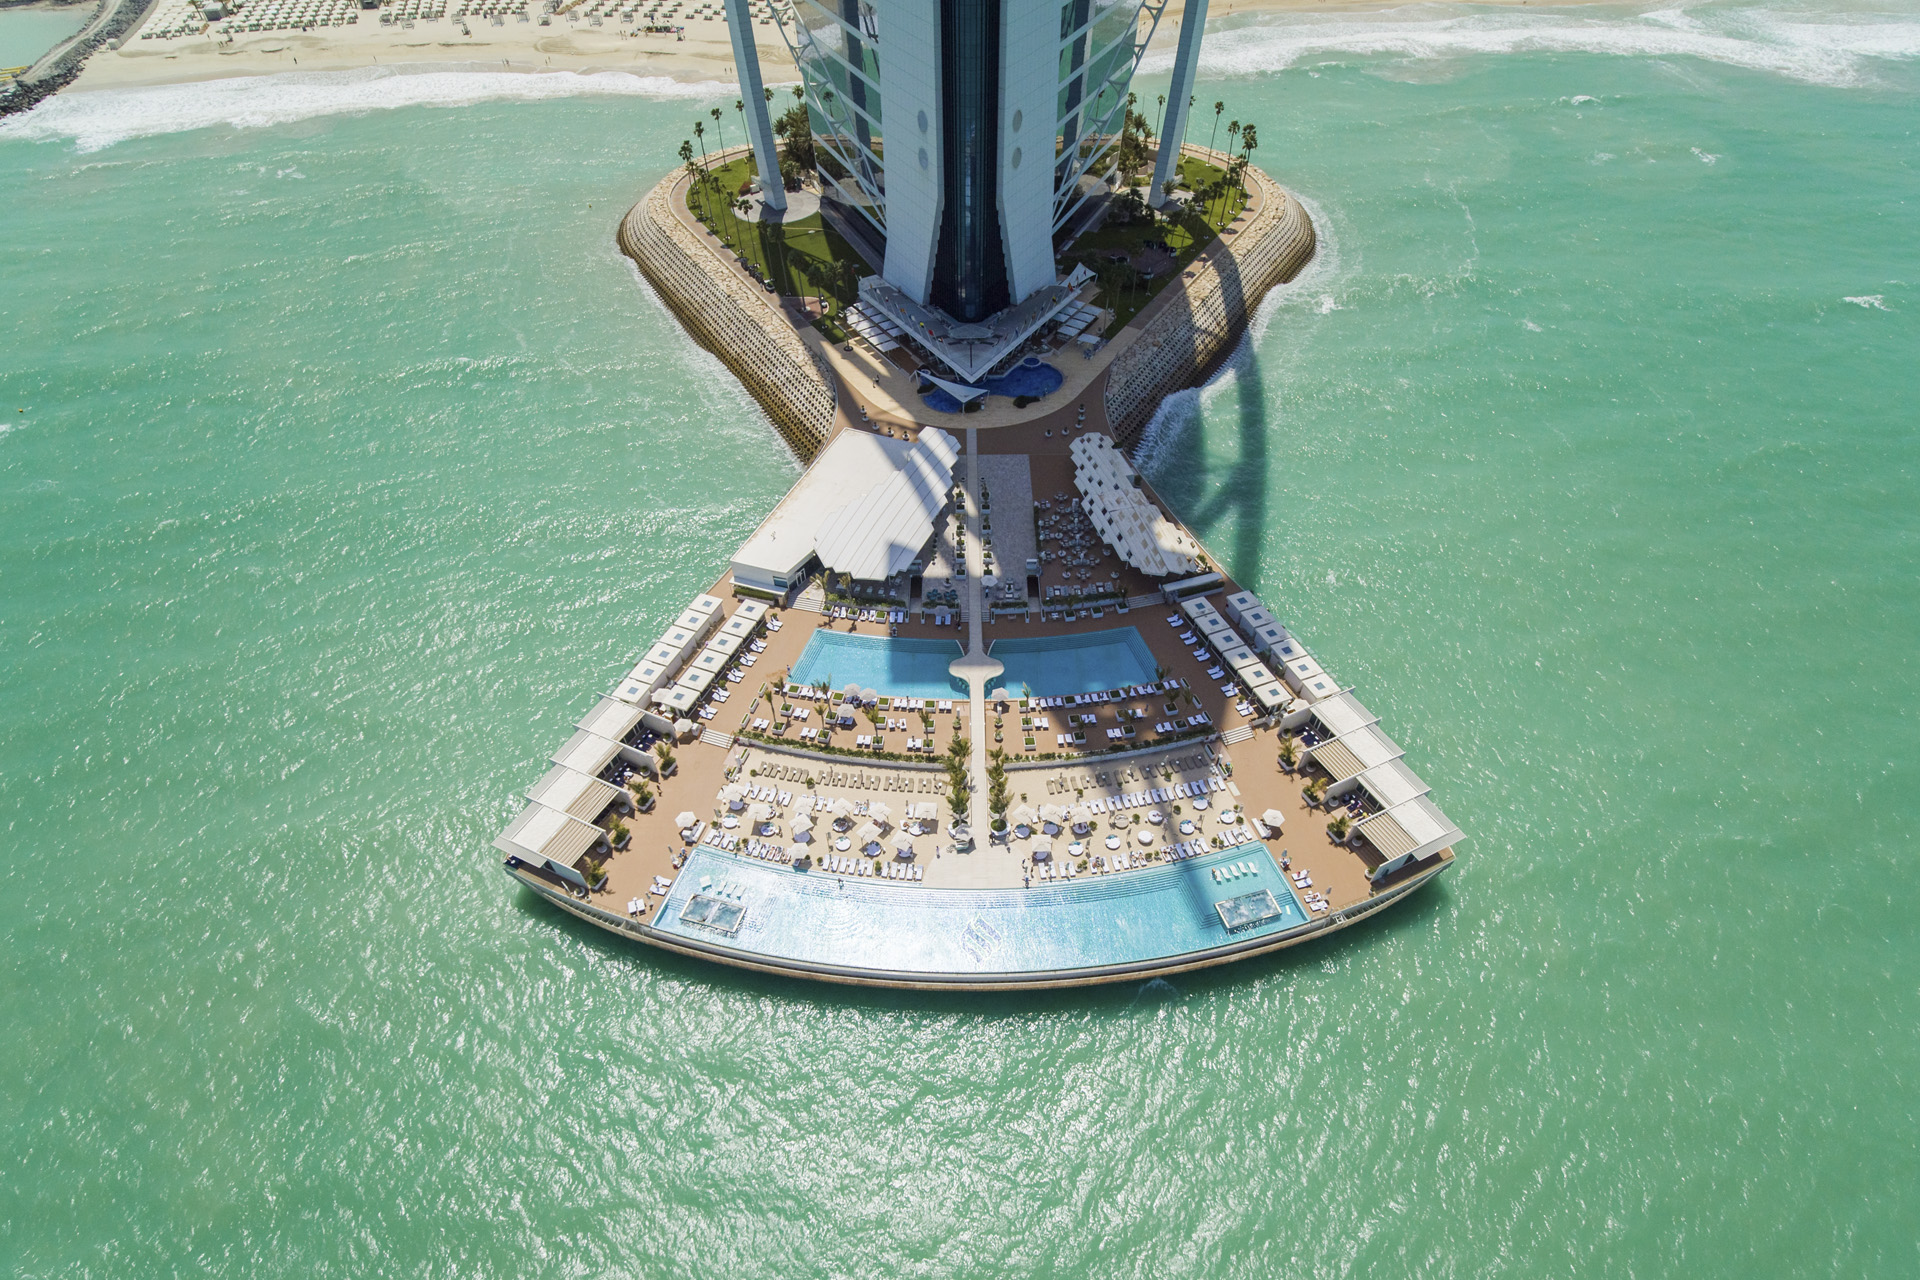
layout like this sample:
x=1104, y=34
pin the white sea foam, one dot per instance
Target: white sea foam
x=1876, y=301
x=104, y=117
x=1316, y=288
x=1820, y=49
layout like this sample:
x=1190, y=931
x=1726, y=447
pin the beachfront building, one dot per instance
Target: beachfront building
x=959, y=142
x=866, y=509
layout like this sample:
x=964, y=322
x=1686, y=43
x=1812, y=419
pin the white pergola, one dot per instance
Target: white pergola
x=1122, y=515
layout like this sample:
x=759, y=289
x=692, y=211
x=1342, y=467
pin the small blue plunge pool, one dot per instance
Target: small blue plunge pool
x=1031, y=377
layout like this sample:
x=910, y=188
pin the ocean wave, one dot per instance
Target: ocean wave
x=1315, y=289
x=1818, y=49
x=102, y=117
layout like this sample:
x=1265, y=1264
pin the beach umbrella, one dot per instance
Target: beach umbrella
x=841, y=807
x=803, y=824
x=1022, y=815
x=1052, y=813
x=760, y=811
x=903, y=845
x=686, y=819
x=923, y=811
x=1042, y=848
x=733, y=795
x=881, y=812
x=1272, y=819
x=866, y=835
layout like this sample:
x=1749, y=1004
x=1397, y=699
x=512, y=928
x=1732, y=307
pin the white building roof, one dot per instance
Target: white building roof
x=880, y=532
x=541, y=834
x=610, y=718
x=901, y=486
x=587, y=753
x=573, y=793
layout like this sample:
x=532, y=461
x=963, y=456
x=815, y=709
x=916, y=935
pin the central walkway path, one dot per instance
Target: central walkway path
x=975, y=667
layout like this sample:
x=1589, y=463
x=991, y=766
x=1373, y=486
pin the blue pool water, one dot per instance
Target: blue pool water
x=1102, y=920
x=1058, y=665
x=1031, y=377
x=897, y=668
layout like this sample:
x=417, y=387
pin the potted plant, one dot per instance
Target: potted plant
x=596, y=874
x=1339, y=827
x=663, y=752
x=643, y=798
x=1313, y=792
x=1289, y=753
x=617, y=834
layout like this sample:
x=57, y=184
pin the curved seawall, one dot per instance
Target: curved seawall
x=1198, y=325
x=750, y=334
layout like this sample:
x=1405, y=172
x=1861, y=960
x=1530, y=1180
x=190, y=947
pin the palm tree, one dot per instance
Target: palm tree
x=700, y=133
x=718, y=130
x=1219, y=108
x=1161, y=123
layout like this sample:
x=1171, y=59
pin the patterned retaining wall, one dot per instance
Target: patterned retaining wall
x=1198, y=328
x=698, y=282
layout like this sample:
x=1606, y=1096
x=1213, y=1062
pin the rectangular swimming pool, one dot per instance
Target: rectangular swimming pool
x=896, y=668
x=1100, y=920
x=1086, y=663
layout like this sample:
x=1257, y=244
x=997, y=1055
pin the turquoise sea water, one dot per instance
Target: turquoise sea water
x=25, y=34
x=355, y=461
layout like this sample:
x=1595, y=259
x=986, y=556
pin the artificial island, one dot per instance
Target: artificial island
x=971, y=707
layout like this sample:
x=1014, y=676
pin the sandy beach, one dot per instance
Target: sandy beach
x=571, y=43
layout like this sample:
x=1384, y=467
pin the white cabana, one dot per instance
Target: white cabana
x=587, y=753
x=1042, y=848
x=576, y=794
x=676, y=699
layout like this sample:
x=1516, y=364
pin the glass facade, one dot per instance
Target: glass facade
x=838, y=44
x=970, y=263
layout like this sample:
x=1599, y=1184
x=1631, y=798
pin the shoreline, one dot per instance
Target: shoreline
x=705, y=56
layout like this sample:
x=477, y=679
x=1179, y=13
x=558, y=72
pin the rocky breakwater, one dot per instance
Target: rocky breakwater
x=1193, y=328
x=730, y=316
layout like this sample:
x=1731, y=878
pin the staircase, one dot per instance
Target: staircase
x=812, y=600
x=1239, y=733
x=714, y=738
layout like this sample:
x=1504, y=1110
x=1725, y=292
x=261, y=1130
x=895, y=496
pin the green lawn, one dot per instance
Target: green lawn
x=806, y=259
x=803, y=258
x=1121, y=288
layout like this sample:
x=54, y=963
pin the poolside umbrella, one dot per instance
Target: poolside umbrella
x=1052, y=813
x=903, y=845
x=924, y=811
x=1022, y=815
x=1272, y=819
x=760, y=811
x=1042, y=849
x=682, y=727
x=841, y=807
x=733, y=795
x=686, y=819
x=881, y=812
x=866, y=835
x=802, y=825
x=1079, y=817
